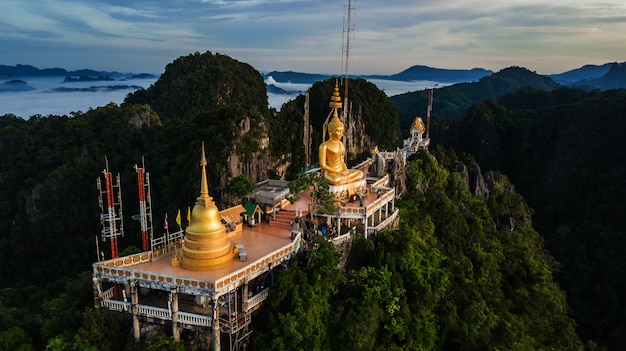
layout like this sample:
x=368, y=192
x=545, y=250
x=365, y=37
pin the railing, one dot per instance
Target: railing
x=116, y=305
x=382, y=182
x=341, y=239
x=155, y=312
x=111, y=271
x=108, y=295
x=363, y=164
x=384, y=224
x=382, y=200
x=164, y=244
x=258, y=298
x=195, y=319
x=125, y=261
x=351, y=210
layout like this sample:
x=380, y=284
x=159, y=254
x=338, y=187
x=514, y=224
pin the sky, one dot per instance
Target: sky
x=386, y=37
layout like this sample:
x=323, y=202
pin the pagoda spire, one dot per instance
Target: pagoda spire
x=204, y=198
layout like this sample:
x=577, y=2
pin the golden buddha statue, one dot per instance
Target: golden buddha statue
x=332, y=150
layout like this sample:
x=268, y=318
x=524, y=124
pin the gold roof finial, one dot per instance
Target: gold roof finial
x=334, y=104
x=204, y=198
x=335, y=99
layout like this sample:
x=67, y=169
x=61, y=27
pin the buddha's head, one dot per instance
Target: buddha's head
x=335, y=127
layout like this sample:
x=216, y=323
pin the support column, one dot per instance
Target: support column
x=338, y=226
x=174, y=311
x=134, y=298
x=216, y=326
x=244, y=298
x=365, y=225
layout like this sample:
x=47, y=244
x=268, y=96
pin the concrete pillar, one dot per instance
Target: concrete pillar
x=244, y=298
x=174, y=311
x=216, y=326
x=134, y=298
x=365, y=225
x=338, y=225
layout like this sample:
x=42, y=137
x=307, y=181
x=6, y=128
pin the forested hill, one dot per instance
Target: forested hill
x=565, y=151
x=455, y=276
x=464, y=272
x=454, y=100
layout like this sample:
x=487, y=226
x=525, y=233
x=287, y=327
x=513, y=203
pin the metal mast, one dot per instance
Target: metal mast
x=348, y=29
x=429, y=109
x=307, y=133
x=111, y=211
x=145, y=205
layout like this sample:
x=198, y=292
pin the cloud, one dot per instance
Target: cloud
x=307, y=35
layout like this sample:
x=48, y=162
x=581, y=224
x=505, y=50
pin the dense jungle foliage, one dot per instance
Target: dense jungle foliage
x=462, y=273
x=455, y=276
x=565, y=152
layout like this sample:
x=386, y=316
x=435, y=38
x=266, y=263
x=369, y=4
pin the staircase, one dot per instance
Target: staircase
x=284, y=219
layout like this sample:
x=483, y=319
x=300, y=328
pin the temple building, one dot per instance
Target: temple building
x=418, y=140
x=215, y=273
x=211, y=279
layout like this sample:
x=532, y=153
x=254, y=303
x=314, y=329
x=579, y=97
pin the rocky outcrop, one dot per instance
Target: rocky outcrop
x=256, y=165
x=355, y=138
x=475, y=182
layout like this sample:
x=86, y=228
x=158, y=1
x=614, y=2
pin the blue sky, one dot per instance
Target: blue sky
x=307, y=36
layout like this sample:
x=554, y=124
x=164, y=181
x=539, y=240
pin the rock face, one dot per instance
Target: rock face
x=356, y=140
x=392, y=166
x=475, y=182
x=257, y=164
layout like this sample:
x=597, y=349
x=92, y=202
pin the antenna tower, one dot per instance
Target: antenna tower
x=111, y=210
x=145, y=205
x=349, y=15
x=307, y=133
x=429, y=109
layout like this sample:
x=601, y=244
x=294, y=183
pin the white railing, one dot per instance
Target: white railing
x=278, y=255
x=196, y=285
x=108, y=295
x=381, y=201
x=341, y=239
x=164, y=244
x=116, y=305
x=384, y=224
x=195, y=319
x=155, y=312
x=258, y=298
x=382, y=182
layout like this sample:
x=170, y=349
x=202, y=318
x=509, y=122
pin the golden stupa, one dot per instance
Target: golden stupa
x=206, y=246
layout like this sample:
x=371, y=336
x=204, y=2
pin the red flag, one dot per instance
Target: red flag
x=165, y=225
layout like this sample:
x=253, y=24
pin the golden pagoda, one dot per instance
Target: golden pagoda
x=206, y=246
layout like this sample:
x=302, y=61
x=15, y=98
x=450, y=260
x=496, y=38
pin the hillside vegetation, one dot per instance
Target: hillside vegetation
x=565, y=151
x=462, y=273
x=457, y=275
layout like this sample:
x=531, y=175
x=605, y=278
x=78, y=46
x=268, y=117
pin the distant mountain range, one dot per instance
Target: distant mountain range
x=24, y=71
x=603, y=77
x=411, y=74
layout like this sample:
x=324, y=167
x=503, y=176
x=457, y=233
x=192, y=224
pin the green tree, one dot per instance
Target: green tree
x=240, y=186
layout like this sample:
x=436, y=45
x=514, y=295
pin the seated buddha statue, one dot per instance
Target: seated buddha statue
x=331, y=152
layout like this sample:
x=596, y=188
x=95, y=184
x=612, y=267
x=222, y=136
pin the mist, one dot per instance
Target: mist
x=52, y=96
